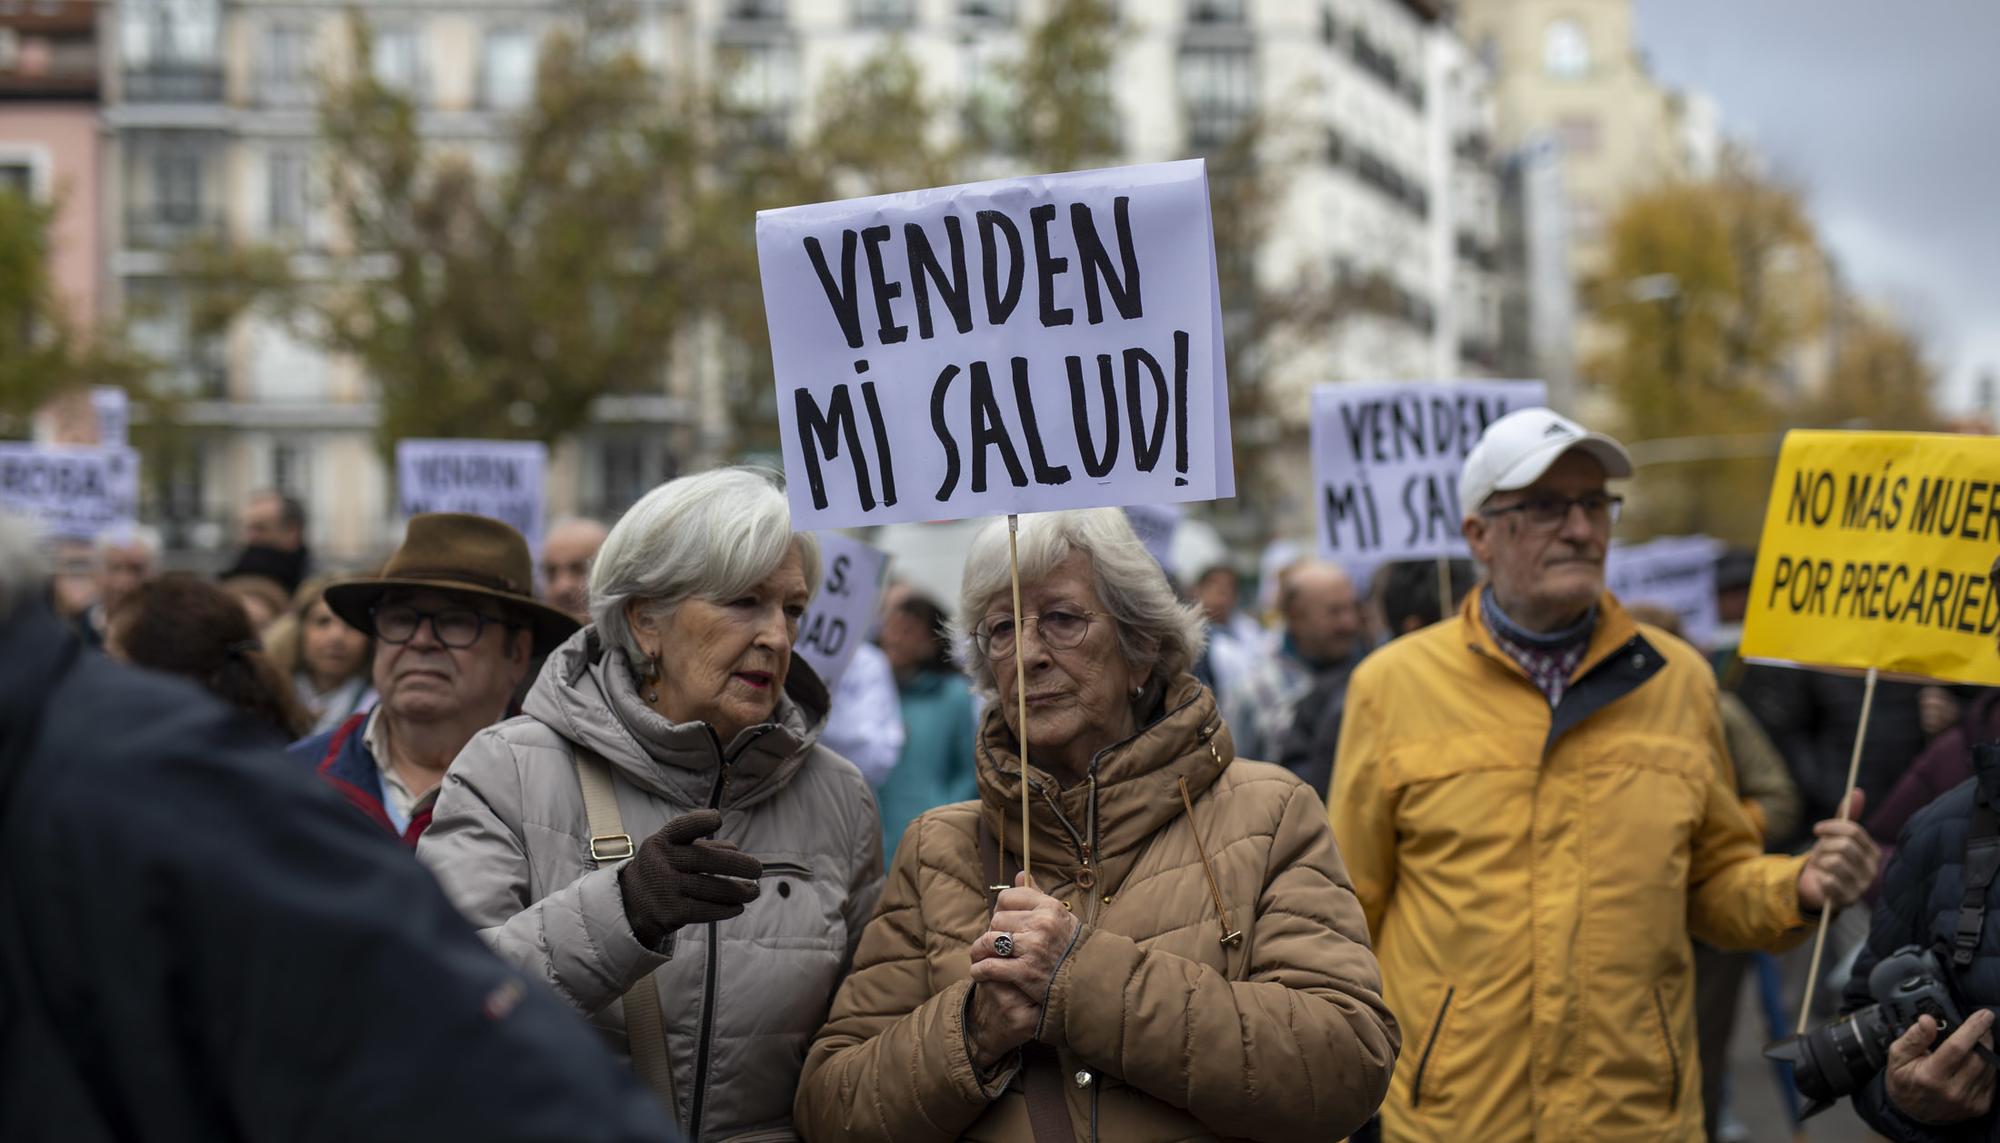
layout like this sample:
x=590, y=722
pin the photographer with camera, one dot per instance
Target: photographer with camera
x=1934, y=1081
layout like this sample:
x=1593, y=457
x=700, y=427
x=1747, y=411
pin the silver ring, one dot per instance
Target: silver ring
x=1003, y=945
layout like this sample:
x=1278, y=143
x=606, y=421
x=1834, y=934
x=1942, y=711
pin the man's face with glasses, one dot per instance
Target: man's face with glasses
x=1543, y=546
x=445, y=656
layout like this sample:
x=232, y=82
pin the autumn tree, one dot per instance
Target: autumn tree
x=1878, y=378
x=1710, y=293
x=493, y=299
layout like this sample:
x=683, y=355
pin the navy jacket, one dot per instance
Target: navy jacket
x=199, y=942
x=341, y=759
x=1921, y=894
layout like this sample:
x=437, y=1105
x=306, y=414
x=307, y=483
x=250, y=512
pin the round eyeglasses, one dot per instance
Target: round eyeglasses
x=1061, y=629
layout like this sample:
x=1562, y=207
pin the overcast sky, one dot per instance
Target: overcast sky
x=1887, y=114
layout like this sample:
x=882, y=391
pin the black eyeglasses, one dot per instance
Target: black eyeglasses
x=1061, y=629
x=1547, y=513
x=455, y=627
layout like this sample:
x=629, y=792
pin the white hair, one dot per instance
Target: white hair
x=130, y=536
x=1156, y=631
x=713, y=535
x=23, y=571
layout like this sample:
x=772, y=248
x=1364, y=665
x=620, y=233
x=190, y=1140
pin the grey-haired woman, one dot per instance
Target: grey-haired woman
x=660, y=836
x=1188, y=959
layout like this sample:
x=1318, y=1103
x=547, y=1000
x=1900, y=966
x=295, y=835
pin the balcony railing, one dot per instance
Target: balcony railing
x=174, y=83
x=162, y=227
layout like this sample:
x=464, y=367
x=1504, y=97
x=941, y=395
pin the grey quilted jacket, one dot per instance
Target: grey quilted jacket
x=742, y=998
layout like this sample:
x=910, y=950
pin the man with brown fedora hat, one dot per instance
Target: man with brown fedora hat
x=457, y=628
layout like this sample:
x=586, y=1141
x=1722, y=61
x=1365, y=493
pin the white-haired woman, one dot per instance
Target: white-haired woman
x=660, y=836
x=1187, y=960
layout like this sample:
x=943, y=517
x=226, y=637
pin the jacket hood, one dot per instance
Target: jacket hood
x=1133, y=788
x=587, y=694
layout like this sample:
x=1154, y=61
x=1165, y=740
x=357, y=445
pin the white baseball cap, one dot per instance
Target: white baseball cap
x=1518, y=448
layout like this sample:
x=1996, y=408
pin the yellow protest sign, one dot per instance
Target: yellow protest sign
x=1878, y=551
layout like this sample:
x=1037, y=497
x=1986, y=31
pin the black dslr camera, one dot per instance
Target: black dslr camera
x=1836, y=1059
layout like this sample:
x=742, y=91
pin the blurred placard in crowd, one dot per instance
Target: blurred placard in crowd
x=114, y=415
x=1155, y=525
x=1674, y=572
x=1878, y=551
x=1386, y=458
x=501, y=479
x=842, y=611
x=70, y=491
x=1010, y=346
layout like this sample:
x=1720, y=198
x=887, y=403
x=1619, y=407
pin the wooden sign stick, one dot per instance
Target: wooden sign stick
x=1021, y=683
x=1825, y=914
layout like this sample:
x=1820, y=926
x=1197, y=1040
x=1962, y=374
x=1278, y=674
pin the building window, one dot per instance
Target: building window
x=1217, y=11
x=168, y=32
x=885, y=13
x=507, y=69
x=286, y=175
x=1565, y=49
x=291, y=469
x=171, y=50
x=1219, y=87
x=397, y=61
x=987, y=11
x=176, y=186
x=762, y=87
x=756, y=11
x=284, y=71
x=18, y=176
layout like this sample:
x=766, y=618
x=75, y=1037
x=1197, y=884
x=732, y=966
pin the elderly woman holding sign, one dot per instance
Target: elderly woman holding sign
x=1183, y=955
x=661, y=838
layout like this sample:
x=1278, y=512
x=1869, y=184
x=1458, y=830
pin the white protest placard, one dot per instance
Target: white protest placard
x=1386, y=458
x=1674, y=572
x=114, y=415
x=501, y=479
x=842, y=611
x=71, y=492
x=1009, y=346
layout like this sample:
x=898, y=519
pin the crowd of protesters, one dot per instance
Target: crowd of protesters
x=1477, y=852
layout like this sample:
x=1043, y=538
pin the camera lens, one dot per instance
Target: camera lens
x=1833, y=1061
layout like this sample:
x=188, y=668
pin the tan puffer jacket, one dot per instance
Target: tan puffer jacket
x=1163, y=1031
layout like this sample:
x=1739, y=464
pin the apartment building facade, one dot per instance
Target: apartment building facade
x=209, y=128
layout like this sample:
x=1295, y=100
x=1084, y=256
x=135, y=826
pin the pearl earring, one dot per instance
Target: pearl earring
x=651, y=678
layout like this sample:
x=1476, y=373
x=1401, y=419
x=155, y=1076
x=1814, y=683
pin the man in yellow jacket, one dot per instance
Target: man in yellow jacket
x=1537, y=808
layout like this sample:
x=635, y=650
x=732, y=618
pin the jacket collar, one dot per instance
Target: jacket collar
x=1615, y=628
x=587, y=695
x=1132, y=790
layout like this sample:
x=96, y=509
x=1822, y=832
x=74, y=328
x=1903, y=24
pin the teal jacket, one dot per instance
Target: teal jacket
x=935, y=767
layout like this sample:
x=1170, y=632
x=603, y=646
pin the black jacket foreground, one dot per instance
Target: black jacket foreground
x=198, y=941
x=1921, y=893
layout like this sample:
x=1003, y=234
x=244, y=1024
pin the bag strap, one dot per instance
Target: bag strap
x=645, y=1028
x=1982, y=862
x=1041, y=1068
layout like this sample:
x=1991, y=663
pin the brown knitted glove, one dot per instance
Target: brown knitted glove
x=676, y=879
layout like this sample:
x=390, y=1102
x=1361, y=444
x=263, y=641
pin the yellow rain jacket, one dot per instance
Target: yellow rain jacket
x=1531, y=877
